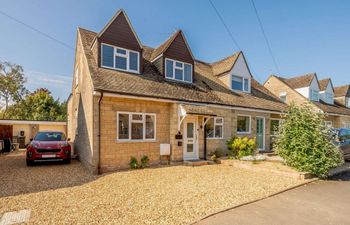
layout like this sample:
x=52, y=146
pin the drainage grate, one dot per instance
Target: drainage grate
x=21, y=216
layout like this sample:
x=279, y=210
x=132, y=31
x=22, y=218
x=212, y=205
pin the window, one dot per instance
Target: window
x=328, y=124
x=240, y=83
x=136, y=126
x=120, y=58
x=274, y=127
x=329, y=98
x=214, y=127
x=177, y=70
x=243, y=124
x=346, y=125
x=283, y=96
x=314, y=95
x=76, y=76
x=347, y=102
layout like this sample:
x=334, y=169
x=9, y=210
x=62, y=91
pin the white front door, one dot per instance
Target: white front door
x=190, y=139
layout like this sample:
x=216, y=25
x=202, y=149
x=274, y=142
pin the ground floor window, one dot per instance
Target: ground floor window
x=136, y=126
x=274, y=130
x=328, y=124
x=346, y=124
x=215, y=127
x=243, y=124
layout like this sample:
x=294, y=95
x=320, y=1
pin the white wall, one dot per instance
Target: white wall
x=305, y=91
x=241, y=69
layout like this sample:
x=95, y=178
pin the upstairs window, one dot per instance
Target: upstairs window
x=214, y=127
x=240, y=83
x=329, y=98
x=120, y=58
x=177, y=70
x=347, y=102
x=314, y=96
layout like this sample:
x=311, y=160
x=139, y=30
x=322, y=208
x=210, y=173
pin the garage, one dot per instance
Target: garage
x=16, y=134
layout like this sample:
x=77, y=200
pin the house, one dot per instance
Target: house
x=129, y=99
x=320, y=93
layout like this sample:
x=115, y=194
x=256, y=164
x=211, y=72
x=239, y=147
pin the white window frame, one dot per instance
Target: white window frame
x=283, y=94
x=347, y=102
x=311, y=95
x=179, y=68
x=329, y=97
x=127, y=56
x=143, y=121
x=250, y=124
x=244, y=80
x=346, y=124
x=216, y=124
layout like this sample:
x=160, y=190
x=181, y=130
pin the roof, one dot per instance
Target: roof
x=342, y=91
x=325, y=107
x=300, y=81
x=15, y=121
x=324, y=83
x=206, y=88
x=163, y=47
x=225, y=65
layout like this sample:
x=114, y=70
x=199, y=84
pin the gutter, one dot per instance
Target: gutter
x=99, y=134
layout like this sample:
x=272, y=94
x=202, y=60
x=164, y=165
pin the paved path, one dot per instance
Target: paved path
x=321, y=202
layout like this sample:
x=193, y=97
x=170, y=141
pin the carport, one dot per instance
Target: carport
x=19, y=132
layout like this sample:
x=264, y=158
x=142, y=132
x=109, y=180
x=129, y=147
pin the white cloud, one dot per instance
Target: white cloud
x=59, y=85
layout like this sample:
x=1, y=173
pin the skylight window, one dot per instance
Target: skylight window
x=177, y=70
x=120, y=58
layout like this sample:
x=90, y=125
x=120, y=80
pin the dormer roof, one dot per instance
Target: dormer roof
x=342, y=91
x=120, y=21
x=300, y=81
x=178, y=35
x=324, y=84
x=225, y=65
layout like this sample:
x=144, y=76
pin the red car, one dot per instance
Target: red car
x=48, y=146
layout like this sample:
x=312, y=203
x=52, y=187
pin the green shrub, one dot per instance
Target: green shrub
x=243, y=147
x=305, y=142
x=133, y=163
x=144, y=161
x=230, y=151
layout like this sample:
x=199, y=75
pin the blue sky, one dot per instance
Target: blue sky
x=305, y=36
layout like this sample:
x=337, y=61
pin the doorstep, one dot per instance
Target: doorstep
x=196, y=162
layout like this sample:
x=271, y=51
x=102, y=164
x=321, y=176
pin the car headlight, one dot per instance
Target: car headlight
x=64, y=145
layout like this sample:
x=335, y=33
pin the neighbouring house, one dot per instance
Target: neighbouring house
x=320, y=93
x=129, y=99
x=21, y=131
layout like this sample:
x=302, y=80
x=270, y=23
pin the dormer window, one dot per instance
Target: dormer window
x=329, y=98
x=120, y=58
x=177, y=70
x=283, y=97
x=347, y=102
x=240, y=83
x=314, y=96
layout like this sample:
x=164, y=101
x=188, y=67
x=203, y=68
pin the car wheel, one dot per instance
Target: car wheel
x=30, y=162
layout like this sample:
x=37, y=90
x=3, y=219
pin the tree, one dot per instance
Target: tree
x=39, y=105
x=11, y=83
x=306, y=143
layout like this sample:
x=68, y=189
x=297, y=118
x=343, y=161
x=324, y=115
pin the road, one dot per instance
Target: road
x=321, y=202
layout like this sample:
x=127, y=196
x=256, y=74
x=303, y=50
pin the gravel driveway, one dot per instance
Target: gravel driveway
x=58, y=194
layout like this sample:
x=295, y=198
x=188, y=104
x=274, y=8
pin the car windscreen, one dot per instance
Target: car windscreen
x=50, y=136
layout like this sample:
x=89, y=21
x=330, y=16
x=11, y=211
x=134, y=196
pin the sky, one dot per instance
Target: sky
x=305, y=36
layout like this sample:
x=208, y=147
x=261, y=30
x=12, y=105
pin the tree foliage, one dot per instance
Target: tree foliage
x=39, y=105
x=305, y=142
x=12, y=81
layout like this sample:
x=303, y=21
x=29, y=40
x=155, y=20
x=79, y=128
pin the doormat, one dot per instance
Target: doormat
x=21, y=216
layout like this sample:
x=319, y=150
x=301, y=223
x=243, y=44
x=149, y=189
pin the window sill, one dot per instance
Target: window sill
x=220, y=138
x=134, y=141
x=240, y=133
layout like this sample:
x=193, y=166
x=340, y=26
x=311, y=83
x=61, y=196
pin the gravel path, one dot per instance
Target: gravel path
x=61, y=194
